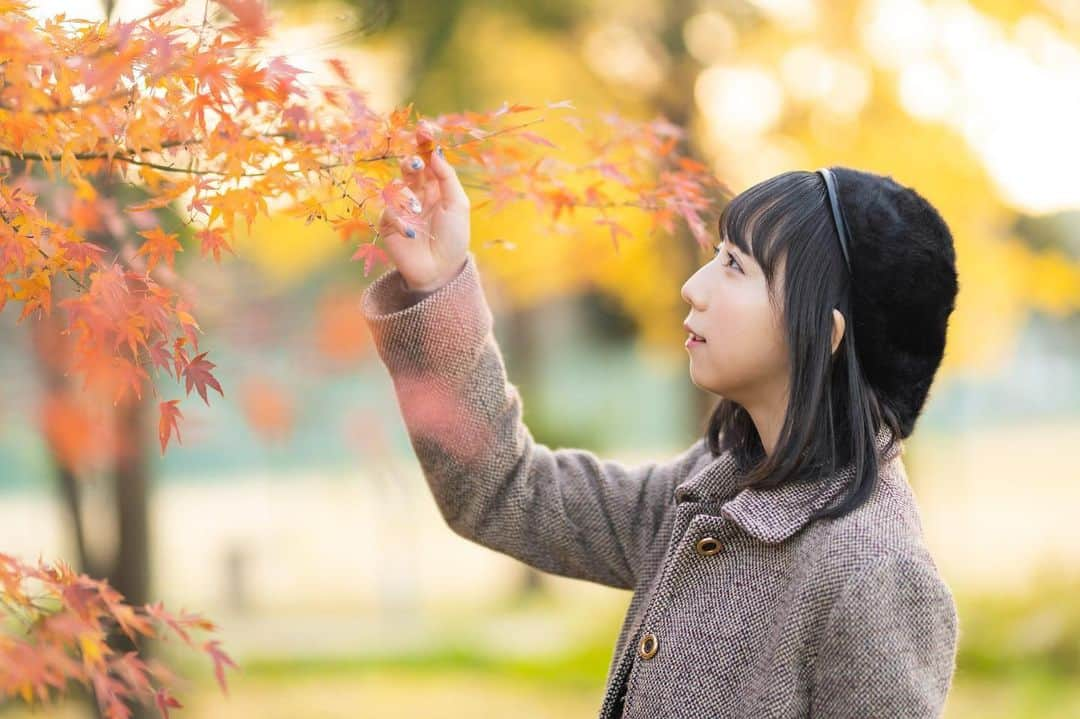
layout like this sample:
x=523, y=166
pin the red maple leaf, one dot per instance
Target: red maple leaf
x=221, y=660
x=370, y=254
x=164, y=700
x=197, y=374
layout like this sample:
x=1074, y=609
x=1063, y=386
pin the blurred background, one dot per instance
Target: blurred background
x=294, y=514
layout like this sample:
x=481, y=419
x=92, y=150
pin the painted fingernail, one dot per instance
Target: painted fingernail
x=440, y=151
x=416, y=162
x=414, y=205
x=410, y=232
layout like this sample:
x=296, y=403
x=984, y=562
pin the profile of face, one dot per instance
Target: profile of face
x=744, y=354
x=736, y=340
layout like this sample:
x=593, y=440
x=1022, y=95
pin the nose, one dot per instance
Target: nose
x=690, y=294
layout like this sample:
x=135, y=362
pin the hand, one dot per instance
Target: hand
x=436, y=209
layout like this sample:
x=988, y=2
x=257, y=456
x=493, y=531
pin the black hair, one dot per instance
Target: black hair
x=833, y=412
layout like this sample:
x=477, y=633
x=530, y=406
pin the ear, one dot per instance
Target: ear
x=838, y=328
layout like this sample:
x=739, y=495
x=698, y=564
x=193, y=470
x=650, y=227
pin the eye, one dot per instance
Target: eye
x=731, y=259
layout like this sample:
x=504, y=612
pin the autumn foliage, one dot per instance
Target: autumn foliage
x=199, y=116
x=62, y=618
x=202, y=119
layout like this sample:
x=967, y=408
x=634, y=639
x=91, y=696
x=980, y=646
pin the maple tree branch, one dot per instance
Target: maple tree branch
x=644, y=205
x=131, y=159
x=127, y=255
x=67, y=272
x=202, y=27
x=386, y=155
x=500, y=131
x=4, y=218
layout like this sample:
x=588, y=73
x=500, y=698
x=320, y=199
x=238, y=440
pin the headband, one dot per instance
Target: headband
x=837, y=213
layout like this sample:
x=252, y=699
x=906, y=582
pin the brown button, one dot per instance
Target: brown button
x=708, y=546
x=647, y=646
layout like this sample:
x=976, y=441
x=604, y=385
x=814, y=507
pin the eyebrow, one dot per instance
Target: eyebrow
x=745, y=260
x=731, y=247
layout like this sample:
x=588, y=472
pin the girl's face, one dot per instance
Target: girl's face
x=744, y=355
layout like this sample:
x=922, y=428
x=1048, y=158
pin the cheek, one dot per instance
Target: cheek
x=744, y=340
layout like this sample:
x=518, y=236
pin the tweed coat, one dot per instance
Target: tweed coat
x=741, y=607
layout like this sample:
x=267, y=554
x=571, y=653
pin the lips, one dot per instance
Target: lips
x=693, y=335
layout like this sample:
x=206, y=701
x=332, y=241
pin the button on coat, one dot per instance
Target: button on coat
x=648, y=645
x=708, y=546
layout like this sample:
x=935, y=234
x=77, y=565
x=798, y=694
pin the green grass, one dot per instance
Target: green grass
x=1033, y=634
x=1019, y=657
x=585, y=667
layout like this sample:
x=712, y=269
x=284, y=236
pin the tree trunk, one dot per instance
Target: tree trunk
x=128, y=569
x=521, y=345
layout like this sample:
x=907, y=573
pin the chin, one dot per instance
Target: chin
x=702, y=385
x=718, y=388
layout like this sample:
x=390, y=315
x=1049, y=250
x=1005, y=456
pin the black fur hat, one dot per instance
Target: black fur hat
x=904, y=286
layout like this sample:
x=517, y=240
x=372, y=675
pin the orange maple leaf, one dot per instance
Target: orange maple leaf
x=340, y=69
x=252, y=21
x=35, y=291
x=130, y=621
x=252, y=83
x=213, y=241
x=162, y=197
x=131, y=330
x=167, y=422
x=158, y=245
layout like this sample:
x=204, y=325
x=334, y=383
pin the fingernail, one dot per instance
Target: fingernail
x=440, y=151
x=410, y=232
x=414, y=205
x=416, y=162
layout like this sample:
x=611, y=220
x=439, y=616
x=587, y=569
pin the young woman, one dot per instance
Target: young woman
x=778, y=564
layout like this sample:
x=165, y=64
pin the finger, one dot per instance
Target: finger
x=449, y=184
x=412, y=171
x=419, y=178
x=412, y=202
x=391, y=223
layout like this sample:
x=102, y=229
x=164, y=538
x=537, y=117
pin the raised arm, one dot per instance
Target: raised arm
x=563, y=511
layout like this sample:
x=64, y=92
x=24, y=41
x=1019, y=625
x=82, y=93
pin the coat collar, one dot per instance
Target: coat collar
x=773, y=515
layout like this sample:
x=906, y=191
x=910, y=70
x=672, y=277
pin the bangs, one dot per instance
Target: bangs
x=764, y=219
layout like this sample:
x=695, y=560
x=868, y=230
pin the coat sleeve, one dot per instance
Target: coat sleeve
x=565, y=511
x=889, y=647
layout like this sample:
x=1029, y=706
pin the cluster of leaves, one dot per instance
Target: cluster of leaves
x=203, y=121
x=53, y=629
x=200, y=116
